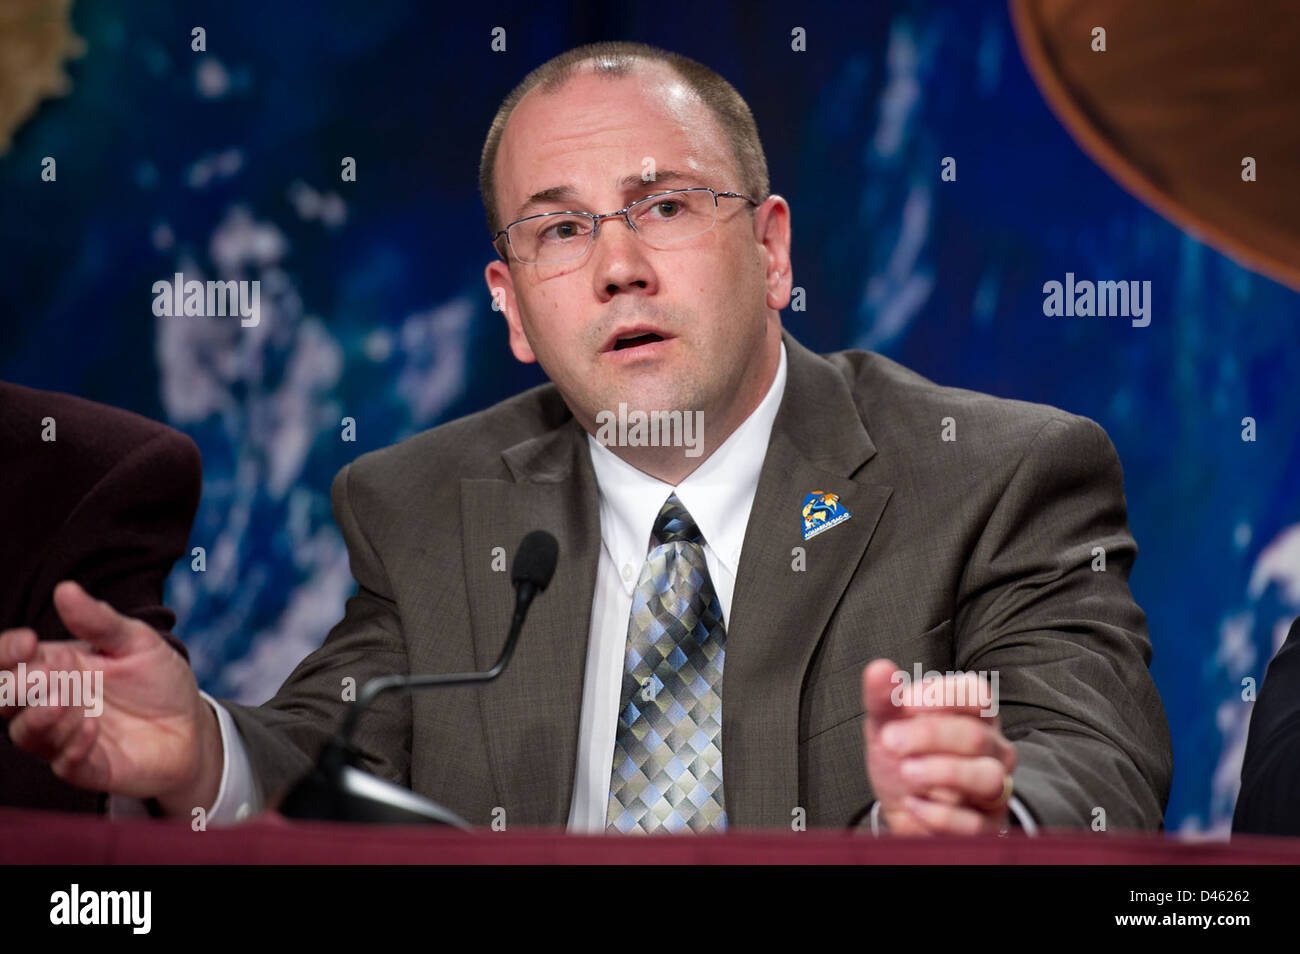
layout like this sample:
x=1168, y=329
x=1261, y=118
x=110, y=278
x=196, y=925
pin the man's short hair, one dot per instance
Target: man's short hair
x=616, y=59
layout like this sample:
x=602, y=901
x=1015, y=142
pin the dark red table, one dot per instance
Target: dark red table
x=28, y=837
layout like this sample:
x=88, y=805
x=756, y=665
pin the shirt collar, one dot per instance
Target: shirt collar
x=719, y=493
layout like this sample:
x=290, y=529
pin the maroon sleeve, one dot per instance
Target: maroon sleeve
x=121, y=539
x=108, y=503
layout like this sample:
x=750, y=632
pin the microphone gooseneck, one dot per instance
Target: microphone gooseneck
x=531, y=573
x=338, y=789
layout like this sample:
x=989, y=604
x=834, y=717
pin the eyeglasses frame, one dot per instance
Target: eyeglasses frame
x=596, y=219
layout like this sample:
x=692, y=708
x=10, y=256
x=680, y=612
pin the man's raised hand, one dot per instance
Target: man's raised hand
x=155, y=736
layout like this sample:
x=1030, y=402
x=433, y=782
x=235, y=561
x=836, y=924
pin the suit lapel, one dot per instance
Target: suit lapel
x=779, y=612
x=531, y=711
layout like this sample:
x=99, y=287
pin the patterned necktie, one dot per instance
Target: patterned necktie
x=667, y=772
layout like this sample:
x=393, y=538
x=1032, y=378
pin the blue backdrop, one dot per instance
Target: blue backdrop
x=226, y=164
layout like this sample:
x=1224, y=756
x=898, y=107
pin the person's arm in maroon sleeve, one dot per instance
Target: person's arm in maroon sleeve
x=97, y=495
x=121, y=539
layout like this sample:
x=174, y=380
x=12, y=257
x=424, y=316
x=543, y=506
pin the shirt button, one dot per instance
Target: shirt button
x=242, y=812
x=627, y=571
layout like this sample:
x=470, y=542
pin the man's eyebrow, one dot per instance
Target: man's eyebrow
x=629, y=183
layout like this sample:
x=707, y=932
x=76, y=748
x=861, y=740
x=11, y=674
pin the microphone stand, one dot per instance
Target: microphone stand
x=338, y=789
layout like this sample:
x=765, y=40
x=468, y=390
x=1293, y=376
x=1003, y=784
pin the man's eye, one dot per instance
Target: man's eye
x=561, y=231
x=672, y=206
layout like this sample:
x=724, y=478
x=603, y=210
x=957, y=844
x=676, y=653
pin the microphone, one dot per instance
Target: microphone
x=337, y=789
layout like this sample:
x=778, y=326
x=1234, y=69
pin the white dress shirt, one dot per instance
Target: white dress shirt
x=718, y=494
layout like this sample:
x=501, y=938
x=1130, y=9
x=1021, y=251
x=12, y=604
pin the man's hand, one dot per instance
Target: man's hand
x=935, y=769
x=155, y=737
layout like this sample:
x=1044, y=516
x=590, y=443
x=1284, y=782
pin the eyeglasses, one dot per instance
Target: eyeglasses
x=659, y=220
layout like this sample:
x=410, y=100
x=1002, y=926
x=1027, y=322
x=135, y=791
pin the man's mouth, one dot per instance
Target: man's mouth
x=634, y=337
x=635, y=341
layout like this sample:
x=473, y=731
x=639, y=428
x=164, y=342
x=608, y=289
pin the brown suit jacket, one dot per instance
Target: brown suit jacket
x=973, y=554
x=109, y=504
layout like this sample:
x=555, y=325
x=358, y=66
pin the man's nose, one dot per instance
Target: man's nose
x=620, y=257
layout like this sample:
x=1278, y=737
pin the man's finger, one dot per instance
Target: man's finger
x=51, y=657
x=965, y=693
x=944, y=796
x=16, y=645
x=980, y=780
x=945, y=819
x=94, y=621
x=78, y=747
x=936, y=733
x=878, y=690
x=45, y=730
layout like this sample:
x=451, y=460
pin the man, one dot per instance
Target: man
x=1269, y=800
x=822, y=521
x=94, y=494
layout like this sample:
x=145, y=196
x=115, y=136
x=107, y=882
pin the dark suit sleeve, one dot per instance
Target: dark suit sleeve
x=284, y=736
x=1269, y=800
x=1068, y=642
x=123, y=537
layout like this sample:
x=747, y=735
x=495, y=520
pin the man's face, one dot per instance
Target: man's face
x=713, y=299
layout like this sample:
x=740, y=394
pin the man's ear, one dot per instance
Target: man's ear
x=772, y=230
x=501, y=287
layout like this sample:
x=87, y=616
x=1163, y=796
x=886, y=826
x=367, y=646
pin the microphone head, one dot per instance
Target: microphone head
x=535, y=560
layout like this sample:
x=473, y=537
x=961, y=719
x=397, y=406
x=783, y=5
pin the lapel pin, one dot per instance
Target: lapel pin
x=821, y=511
